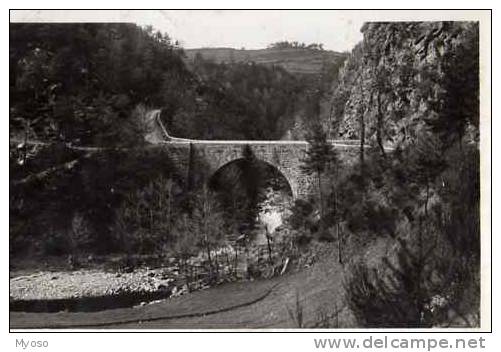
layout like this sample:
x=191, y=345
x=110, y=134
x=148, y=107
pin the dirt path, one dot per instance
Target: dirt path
x=258, y=304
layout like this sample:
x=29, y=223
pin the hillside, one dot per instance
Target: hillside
x=414, y=87
x=302, y=61
x=100, y=219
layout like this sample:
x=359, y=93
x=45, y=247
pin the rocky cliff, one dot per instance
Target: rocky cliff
x=405, y=76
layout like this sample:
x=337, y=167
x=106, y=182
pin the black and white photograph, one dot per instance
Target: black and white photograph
x=249, y=170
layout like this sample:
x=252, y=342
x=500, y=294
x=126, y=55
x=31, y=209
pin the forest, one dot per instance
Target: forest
x=84, y=182
x=80, y=86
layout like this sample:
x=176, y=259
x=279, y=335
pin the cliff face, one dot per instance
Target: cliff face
x=408, y=78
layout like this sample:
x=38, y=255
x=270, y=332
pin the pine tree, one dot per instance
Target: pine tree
x=253, y=181
x=412, y=292
x=320, y=158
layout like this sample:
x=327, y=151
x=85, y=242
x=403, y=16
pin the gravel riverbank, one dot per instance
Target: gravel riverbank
x=58, y=283
x=89, y=283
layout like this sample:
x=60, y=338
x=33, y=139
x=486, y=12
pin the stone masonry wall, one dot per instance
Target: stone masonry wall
x=209, y=156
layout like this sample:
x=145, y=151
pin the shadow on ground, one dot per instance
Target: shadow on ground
x=245, y=305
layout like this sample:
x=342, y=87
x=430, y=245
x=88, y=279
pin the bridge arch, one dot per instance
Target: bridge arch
x=285, y=156
x=278, y=171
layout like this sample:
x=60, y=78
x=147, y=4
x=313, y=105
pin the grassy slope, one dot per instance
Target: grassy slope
x=302, y=61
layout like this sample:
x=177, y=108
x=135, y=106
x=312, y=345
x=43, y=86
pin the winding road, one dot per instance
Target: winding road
x=245, y=305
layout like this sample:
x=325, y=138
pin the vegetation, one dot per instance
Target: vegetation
x=410, y=197
x=84, y=181
x=304, y=62
x=79, y=97
x=296, y=45
x=320, y=159
x=238, y=101
x=388, y=95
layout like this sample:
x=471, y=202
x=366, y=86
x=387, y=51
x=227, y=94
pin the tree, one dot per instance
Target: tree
x=241, y=189
x=208, y=224
x=300, y=213
x=419, y=288
x=185, y=244
x=415, y=87
x=387, y=82
x=457, y=103
x=320, y=158
x=80, y=238
x=427, y=162
x=253, y=179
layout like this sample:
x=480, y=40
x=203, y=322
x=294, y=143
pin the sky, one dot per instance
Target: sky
x=338, y=30
x=257, y=29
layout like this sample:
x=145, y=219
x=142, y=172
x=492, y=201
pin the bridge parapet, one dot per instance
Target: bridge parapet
x=285, y=156
x=211, y=155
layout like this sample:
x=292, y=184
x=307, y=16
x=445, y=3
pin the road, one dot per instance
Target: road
x=247, y=305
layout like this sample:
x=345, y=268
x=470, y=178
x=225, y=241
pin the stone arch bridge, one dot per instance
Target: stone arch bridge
x=212, y=155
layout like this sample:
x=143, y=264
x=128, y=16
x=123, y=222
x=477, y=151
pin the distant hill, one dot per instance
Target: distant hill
x=303, y=61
